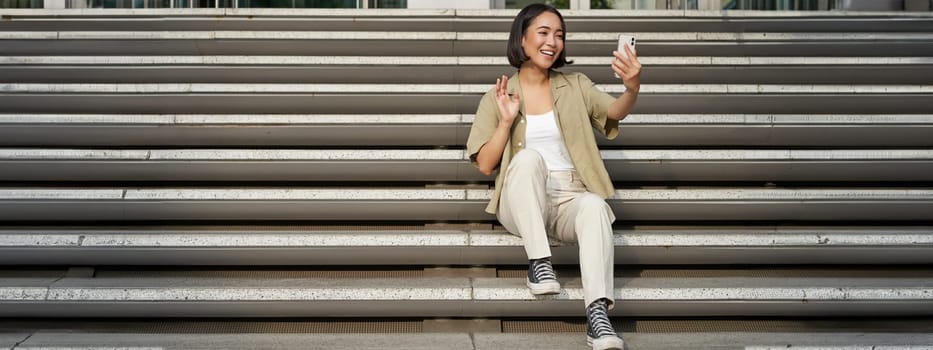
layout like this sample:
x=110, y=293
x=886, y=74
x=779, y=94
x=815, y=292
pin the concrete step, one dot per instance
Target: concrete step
x=62, y=340
x=443, y=69
x=451, y=203
x=631, y=326
x=449, y=19
x=446, y=98
x=828, y=33
x=387, y=245
x=238, y=129
x=717, y=341
x=442, y=89
x=167, y=296
x=600, y=36
x=402, y=36
x=70, y=130
x=452, y=43
x=68, y=165
x=384, y=62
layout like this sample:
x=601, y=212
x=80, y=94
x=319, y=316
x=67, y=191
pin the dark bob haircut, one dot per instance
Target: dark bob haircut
x=521, y=23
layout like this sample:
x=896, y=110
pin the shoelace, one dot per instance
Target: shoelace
x=598, y=320
x=541, y=270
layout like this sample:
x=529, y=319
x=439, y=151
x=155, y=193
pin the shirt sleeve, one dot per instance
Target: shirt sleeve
x=484, y=125
x=597, y=106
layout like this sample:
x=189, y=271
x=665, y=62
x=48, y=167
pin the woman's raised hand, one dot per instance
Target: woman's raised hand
x=628, y=68
x=508, y=106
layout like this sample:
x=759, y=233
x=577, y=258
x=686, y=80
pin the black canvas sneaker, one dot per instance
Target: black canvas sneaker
x=599, y=331
x=541, y=277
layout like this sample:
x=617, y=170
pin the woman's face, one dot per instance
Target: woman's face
x=543, y=41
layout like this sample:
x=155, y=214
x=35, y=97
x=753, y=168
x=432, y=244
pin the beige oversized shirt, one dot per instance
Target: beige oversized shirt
x=578, y=106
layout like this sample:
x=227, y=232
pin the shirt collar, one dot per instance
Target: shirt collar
x=558, y=83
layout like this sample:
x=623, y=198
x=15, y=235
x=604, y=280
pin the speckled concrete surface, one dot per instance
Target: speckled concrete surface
x=295, y=194
x=737, y=237
x=313, y=119
x=473, y=36
x=227, y=238
x=77, y=341
x=232, y=119
x=725, y=237
x=714, y=341
x=393, y=238
x=443, y=60
x=71, y=154
x=245, y=289
x=319, y=154
x=171, y=289
x=148, y=88
x=723, y=288
x=60, y=193
x=737, y=155
x=24, y=289
x=774, y=194
x=302, y=119
x=9, y=340
x=46, y=340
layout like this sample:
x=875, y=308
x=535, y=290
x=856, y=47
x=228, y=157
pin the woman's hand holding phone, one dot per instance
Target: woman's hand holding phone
x=626, y=65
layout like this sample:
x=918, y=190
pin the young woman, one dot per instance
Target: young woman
x=533, y=128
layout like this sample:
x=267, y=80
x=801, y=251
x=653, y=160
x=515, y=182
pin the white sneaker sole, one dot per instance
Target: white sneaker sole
x=543, y=288
x=606, y=343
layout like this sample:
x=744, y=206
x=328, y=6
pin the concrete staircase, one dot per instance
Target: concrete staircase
x=233, y=179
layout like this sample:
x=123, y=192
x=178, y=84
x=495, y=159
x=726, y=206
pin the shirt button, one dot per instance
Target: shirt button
x=522, y=121
x=519, y=144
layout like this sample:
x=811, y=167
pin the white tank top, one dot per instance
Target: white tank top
x=542, y=135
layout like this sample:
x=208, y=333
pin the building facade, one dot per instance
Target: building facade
x=776, y=5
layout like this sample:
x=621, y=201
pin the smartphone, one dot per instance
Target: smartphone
x=625, y=40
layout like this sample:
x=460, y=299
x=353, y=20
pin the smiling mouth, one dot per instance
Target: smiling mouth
x=548, y=53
